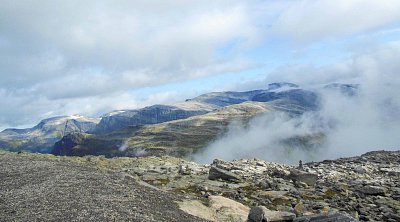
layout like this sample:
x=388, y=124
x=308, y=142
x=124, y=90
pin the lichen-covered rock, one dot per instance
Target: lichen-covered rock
x=299, y=209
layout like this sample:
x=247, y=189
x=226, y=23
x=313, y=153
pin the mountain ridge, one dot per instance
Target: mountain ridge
x=117, y=127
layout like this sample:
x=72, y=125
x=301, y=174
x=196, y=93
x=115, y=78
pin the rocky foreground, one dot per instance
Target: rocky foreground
x=48, y=188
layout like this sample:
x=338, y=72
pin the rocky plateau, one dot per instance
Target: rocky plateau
x=361, y=188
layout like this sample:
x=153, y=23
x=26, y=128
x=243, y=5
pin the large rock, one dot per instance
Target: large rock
x=228, y=210
x=263, y=214
x=302, y=176
x=360, y=170
x=196, y=208
x=326, y=217
x=391, y=171
x=219, y=209
x=217, y=173
x=372, y=190
x=392, y=216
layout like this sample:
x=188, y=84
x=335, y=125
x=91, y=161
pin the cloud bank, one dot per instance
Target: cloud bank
x=58, y=57
x=351, y=125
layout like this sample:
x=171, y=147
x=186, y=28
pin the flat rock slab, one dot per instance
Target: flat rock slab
x=219, y=209
x=228, y=210
x=198, y=209
x=41, y=189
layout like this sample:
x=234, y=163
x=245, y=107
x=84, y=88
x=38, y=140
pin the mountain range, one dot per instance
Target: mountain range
x=179, y=129
x=42, y=137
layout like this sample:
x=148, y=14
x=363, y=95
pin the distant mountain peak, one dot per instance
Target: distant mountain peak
x=346, y=89
x=279, y=85
x=341, y=85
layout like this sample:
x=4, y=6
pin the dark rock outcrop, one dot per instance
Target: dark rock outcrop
x=371, y=190
x=216, y=173
x=67, y=143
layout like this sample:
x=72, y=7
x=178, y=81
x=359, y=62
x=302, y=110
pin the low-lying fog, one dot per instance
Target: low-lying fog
x=351, y=126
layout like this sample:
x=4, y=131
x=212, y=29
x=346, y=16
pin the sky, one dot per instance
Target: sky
x=92, y=57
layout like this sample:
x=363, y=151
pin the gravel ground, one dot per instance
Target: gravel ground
x=33, y=188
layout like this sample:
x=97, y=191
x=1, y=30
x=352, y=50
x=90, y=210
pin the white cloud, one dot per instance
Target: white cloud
x=310, y=20
x=372, y=65
x=74, y=52
x=119, y=38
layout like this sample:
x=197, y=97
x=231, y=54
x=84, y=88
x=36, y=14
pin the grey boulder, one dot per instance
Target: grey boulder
x=302, y=176
x=263, y=214
x=326, y=217
x=216, y=173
